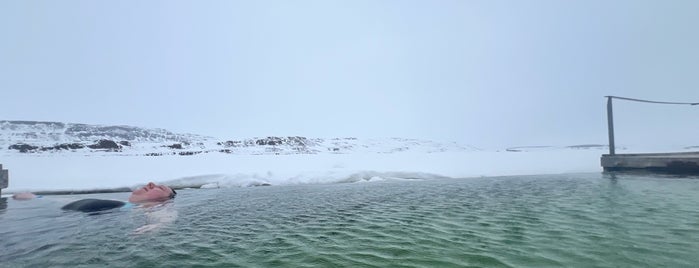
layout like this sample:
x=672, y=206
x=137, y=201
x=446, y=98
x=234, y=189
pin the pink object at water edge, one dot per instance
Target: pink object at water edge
x=23, y=196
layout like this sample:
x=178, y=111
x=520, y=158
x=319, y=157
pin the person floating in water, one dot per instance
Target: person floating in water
x=151, y=192
x=151, y=198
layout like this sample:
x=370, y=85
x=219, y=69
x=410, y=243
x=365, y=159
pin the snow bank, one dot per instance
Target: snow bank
x=77, y=172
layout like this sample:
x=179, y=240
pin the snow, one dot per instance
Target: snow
x=34, y=172
x=207, y=162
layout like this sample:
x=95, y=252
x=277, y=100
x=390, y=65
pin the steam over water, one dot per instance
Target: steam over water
x=580, y=220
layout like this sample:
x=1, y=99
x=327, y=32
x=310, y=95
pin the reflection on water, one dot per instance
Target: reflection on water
x=532, y=221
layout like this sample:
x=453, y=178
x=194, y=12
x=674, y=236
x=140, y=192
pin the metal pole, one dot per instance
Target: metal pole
x=610, y=125
x=3, y=178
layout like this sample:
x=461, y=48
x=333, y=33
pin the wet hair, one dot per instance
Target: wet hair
x=91, y=205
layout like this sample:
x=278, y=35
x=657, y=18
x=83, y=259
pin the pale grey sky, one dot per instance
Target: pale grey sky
x=486, y=73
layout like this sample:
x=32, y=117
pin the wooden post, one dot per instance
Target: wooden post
x=610, y=125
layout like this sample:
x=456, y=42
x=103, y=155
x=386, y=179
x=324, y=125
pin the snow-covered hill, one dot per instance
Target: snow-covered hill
x=52, y=156
x=41, y=138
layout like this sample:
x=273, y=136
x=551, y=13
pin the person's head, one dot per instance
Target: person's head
x=152, y=192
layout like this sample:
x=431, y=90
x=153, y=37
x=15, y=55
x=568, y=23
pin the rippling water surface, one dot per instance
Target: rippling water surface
x=580, y=220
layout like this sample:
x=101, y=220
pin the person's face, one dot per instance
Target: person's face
x=151, y=192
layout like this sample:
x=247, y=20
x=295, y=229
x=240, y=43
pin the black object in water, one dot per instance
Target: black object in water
x=93, y=205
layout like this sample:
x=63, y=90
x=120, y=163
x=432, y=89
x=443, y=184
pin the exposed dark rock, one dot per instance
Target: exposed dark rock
x=290, y=141
x=298, y=141
x=174, y=146
x=125, y=143
x=105, y=144
x=231, y=143
x=190, y=153
x=269, y=141
x=153, y=154
x=23, y=148
x=64, y=146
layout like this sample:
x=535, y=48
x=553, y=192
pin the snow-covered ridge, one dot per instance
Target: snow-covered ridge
x=41, y=138
x=56, y=132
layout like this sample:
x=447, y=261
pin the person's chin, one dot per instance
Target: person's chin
x=137, y=199
x=150, y=203
x=148, y=200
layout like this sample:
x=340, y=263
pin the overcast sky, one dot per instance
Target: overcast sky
x=486, y=73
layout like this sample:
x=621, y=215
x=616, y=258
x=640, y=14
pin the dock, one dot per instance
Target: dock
x=686, y=163
x=669, y=163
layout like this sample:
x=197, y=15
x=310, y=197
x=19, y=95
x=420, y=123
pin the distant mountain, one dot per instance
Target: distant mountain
x=34, y=137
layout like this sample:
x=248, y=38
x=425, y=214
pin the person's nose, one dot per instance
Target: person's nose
x=151, y=185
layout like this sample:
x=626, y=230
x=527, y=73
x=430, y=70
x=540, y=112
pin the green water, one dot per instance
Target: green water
x=580, y=220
